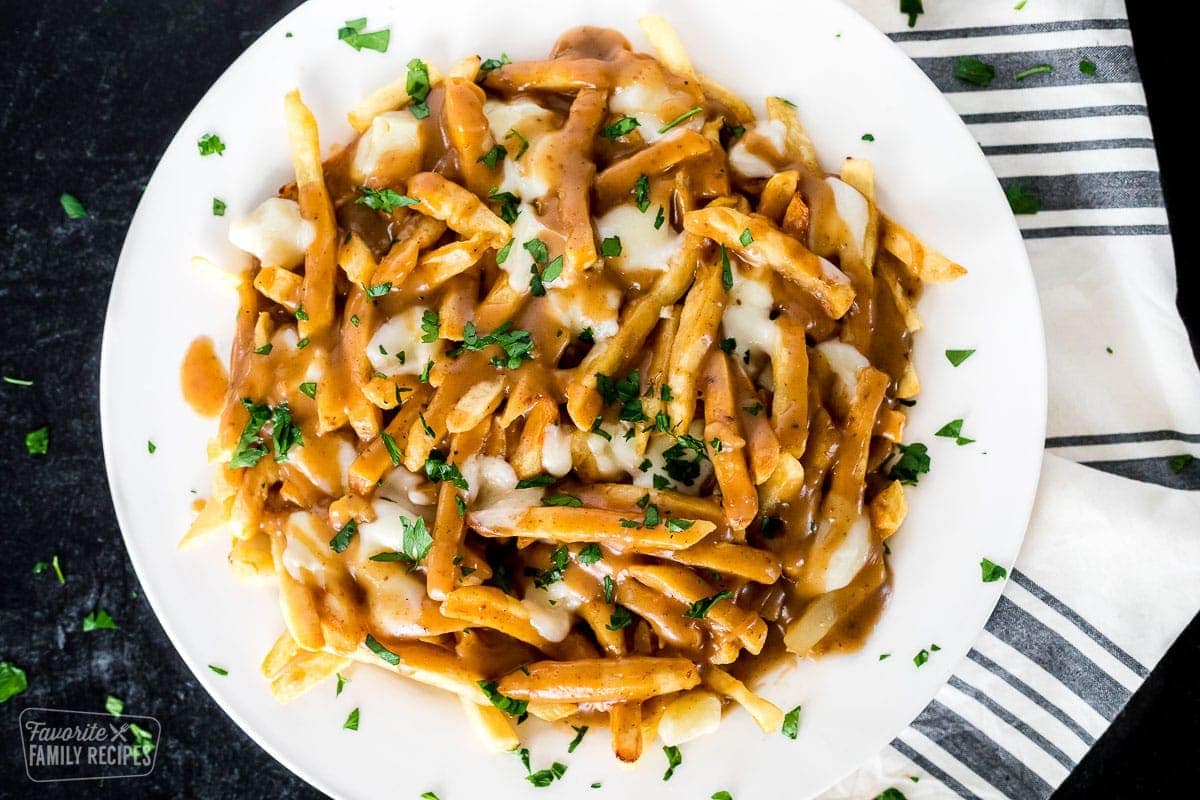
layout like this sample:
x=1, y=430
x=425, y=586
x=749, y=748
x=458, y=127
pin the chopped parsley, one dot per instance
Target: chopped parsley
x=353, y=35
x=700, y=608
x=721, y=795
x=249, y=448
x=1181, y=462
x=587, y=336
x=211, y=144
x=284, y=435
x=972, y=70
x=622, y=127
x=660, y=218
x=516, y=344
x=351, y=723
x=641, y=193
x=921, y=657
x=890, y=794
x=1021, y=203
x=12, y=680
x=308, y=388
x=1040, y=69
x=912, y=464
x=510, y=204
x=71, y=205
x=726, y=270
x=417, y=86
x=265, y=350
x=379, y=290
x=913, y=9
x=746, y=238
x=682, y=118
x=513, y=133
x=393, y=450
x=991, y=571
x=677, y=524
x=868, y=137
x=17, y=381
x=219, y=670
x=731, y=133
x=437, y=469
x=37, y=442
x=1087, y=67
x=953, y=430
x=560, y=499
x=114, y=705
x=429, y=326
x=514, y=708
x=341, y=539
x=42, y=566
x=611, y=247
x=791, y=723
x=495, y=63
x=728, y=345
x=544, y=777
x=536, y=481
x=425, y=371
x=609, y=587
x=387, y=655
x=385, y=200
x=674, y=759
x=341, y=684
x=559, y=560
x=99, y=620
x=956, y=357
x=619, y=619
x=580, y=732
x=492, y=158
x=590, y=554
x=218, y=207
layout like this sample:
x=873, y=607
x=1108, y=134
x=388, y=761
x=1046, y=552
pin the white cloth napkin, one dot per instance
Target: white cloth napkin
x=1110, y=570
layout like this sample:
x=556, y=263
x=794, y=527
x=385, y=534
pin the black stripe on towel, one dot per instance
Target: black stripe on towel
x=1086, y=440
x=1034, y=695
x=1046, y=648
x=1007, y=716
x=1067, y=147
x=1114, y=64
x=1075, y=231
x=1042, y=114
x=1127, y=189
x=931, y=34
x=1152, y=470
x=1111, y=647
x=979, y=753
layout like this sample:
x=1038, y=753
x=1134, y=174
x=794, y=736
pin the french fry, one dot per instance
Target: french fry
x=698, y=326
x=777, y=193
x=625, y=720
x=280, y=286
x=888, y=509
x=467, y=130
x=489, y=607
x=738, y=497
x=459, y=208
x=493, y=725
x=617, y=181
x=762, y=445
x=799, y=146
x=927, y=264
x=683, y=585
x=320, y=258
x=771, y=247
x=387, y=98
x=768, y=715
x=600, y=680
x=566, y=525
x=789, y=406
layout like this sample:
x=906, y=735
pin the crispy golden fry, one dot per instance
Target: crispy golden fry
x=800, y=147
x=927, y=264
x=567, y=525
x=888, y=509
x=469, y=134
x=489, y=607
x=762, y=445
x=280, y=286
x=685, y=586
x=625, y=720
x=571, y=174
x=458, y=208
x=768, y=715
x=617, y=182
x=600, y=680
x=698, y=325
x=777, y=193
x=738, y=497
x=789, y=406
x=729, y=558
x=494, y=726
x=320, y=267
x=771, y=247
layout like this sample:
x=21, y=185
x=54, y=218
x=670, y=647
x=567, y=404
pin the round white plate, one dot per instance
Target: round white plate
x=847, y=79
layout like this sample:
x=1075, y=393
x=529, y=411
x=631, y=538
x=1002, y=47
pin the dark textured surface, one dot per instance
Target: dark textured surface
x=90, y=94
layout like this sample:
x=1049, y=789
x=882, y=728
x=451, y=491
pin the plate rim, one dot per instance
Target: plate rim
x=1038, y=374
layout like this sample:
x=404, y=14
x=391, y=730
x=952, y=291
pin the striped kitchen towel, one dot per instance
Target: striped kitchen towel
x=1110, y=570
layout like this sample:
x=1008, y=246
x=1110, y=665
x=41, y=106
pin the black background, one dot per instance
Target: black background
x=90, y=95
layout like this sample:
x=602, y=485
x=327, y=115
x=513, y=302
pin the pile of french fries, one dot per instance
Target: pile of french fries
x=582, y=594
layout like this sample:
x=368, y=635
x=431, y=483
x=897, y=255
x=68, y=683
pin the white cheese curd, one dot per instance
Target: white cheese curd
x=642, y=245
x=564, y=596
x=408, y=487
x=747, y=316
x=522, y=176
x=556, y=450
x=274, y=233
x=390, y=149
x=298, y=555
x=386, y=533
x=617, y=455
x=853, y=208
x=402, y=334
x=488, y=478
x=659, y=444
x=395, y=598
x=746, y=162
x=644, y=100
x=845, y=361
x=850, y=555
x=551, y=621
x=580, y=307
x=519, y=263
x=688, y=716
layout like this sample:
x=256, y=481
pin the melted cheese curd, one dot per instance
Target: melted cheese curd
x=572, y=388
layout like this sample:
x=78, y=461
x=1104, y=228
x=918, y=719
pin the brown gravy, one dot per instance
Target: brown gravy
x=203, y=379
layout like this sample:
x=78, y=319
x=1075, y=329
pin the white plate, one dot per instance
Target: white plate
x=847, y=80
